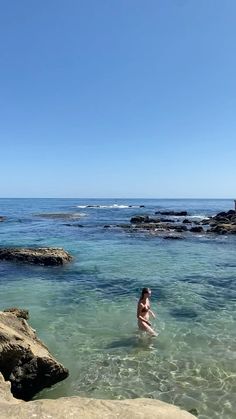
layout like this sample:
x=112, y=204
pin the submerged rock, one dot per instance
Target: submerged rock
x=60, y=215
x=41, y=256
x=2, y=218
x=84, y=408
x=24, y=360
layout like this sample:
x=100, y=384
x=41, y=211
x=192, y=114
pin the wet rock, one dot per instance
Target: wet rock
x=186, y=221
x=73, y=225
x=223, y=229
x=137, y=219
x=24, y=360
x=2, y=218
x=173, y=213
x=41, y=256
x=173, y=237
x=223, y=223
x=196, y=229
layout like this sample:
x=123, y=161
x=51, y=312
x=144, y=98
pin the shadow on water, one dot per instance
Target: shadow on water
x=183, y=313
x=140, y=341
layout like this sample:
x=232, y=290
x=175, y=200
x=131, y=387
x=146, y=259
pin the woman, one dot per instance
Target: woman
x=143, y=311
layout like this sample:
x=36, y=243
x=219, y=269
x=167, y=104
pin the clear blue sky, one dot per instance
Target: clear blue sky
x=118, y=98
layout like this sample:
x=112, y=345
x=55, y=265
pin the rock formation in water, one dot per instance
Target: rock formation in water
x=41, y=256
x=24, y=360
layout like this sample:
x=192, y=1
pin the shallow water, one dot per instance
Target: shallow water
x=86, y=311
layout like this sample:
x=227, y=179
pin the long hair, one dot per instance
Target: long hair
x=144, y=291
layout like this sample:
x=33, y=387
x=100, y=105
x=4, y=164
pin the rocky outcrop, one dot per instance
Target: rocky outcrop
x=223, y=223
x=24, y=360
x=41, y=256
x=84, y=408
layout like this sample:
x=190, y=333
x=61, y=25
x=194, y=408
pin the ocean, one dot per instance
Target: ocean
x=85, y=311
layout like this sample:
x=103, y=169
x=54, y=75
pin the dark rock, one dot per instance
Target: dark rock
x=186, y=221
x=137, y=219
x=206, y=221
x=40, y=256
x=141, y=206
x=197, y=229
x=24, y=359
x=223, y=229
x=174, y=213
x=73, y=225
x=172, y=237
x=179, y=227
x=2, y=218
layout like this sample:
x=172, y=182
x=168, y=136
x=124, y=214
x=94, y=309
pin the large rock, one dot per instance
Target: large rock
x=40, y=256
x=223, y=223
x=24, y=360
x=83, y=408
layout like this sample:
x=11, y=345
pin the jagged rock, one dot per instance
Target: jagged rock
x=84, y=408
x=223, y=223
x=24, y=360
x=41, y=256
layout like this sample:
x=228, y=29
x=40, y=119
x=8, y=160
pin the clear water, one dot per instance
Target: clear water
x=86, y=311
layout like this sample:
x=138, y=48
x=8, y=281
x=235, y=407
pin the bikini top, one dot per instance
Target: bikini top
x=145, y=309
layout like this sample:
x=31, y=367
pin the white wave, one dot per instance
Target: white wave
x=113, y=206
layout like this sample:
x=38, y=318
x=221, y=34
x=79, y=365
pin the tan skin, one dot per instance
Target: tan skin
x=143, y=313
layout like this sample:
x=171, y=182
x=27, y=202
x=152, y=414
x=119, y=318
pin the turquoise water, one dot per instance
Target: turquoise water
x=86, y=311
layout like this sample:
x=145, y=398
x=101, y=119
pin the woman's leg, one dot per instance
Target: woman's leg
x=145, y=327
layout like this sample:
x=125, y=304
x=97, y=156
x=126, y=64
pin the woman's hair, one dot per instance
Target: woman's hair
x=144, y=291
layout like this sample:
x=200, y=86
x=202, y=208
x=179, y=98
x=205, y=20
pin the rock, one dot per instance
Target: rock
x=141, y=206
x=84, y=408
x=18, y=312
x=178, y=227
x=137, y=219
x=174, y=213
x=186, y=221
x=223, y=229
x=206, y=221
x=41, y=256
x=74, y=225
x=173, y=237
x=223, y=223
x=24, y=360
x=196, y=229
x=2, y=218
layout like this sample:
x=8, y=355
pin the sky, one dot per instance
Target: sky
x=118, y=98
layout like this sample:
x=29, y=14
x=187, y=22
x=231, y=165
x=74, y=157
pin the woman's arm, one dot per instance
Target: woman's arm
x=144, y=320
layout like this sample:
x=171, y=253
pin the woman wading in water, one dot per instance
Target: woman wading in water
x=143, y=311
